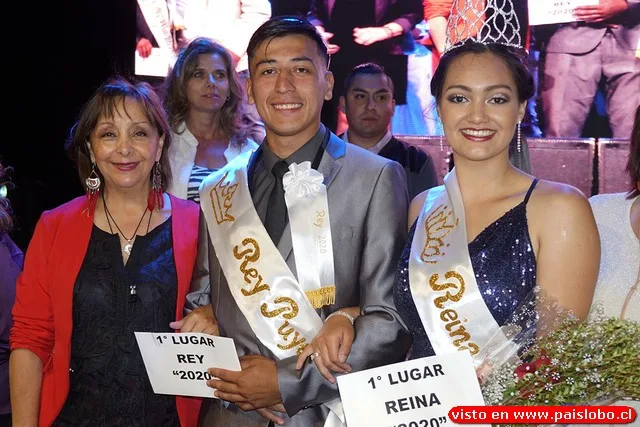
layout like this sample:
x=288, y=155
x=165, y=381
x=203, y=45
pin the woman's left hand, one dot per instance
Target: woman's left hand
x=200, y=320
x=330, y=348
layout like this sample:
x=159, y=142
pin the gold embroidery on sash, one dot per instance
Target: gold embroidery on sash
x=327, y=294
x=450, y=316
x=221, y=195
x=321, y=297
x=253, y=277
x=293, y=308
x=250, y=255
x=300, y=343
x=437, y=228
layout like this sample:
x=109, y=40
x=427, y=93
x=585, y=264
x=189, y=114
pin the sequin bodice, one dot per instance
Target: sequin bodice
x=504, y=264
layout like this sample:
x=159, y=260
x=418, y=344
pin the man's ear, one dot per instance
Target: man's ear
x=247, y=86
x=330, y=81
x=343, y=104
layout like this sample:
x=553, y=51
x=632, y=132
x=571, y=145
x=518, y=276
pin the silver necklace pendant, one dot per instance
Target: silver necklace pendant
x=127, y=247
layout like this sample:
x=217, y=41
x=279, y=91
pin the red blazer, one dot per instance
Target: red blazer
x=42, y=313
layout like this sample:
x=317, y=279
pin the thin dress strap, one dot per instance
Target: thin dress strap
x=533, y=185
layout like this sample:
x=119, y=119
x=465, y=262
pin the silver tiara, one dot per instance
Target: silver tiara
x=484, y=21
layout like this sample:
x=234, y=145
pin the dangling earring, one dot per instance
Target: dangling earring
x=441, y=137
x=519, y=138
x=156, y=198
x=93, y=187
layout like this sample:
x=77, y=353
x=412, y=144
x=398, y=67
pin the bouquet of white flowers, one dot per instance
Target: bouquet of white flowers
x=552, y=358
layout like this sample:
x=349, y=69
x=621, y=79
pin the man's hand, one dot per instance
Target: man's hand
x=255, y=387
x=201, y=320
x=143, y=47
x=602, y=11
x=330, y=347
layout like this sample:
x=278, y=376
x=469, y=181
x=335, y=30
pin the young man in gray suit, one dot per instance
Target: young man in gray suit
x=246, y=267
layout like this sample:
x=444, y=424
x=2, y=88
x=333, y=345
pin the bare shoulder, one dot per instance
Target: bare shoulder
x=416, y=206
x=555, y=198
x=566, y=244
x=557, y=207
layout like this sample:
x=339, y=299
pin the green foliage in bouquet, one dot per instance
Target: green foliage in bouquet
x=577, y=362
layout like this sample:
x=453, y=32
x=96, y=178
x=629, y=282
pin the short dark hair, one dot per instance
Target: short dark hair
x=104, y=102
x=285, y=25
x=368, y=68
x=177, y=104
x=633, y=165
x=513, y=58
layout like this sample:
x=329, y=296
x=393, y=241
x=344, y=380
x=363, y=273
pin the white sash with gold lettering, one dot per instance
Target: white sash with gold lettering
x=441, y=277
x=308, y=209
x=156, y=14
x=262, y=284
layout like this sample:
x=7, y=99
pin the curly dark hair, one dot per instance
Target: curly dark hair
x=177, y=104
x=104, y=102
x=6, y=219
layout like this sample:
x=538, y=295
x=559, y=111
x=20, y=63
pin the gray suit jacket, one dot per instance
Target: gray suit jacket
x=580, y=37
x=368, y=201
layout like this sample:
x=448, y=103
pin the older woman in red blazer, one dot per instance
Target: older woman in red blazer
x=101, y=267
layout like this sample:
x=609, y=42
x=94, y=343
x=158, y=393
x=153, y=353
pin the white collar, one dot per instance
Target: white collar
x=376, y=148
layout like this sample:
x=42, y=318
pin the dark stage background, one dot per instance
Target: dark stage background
x=56, y=58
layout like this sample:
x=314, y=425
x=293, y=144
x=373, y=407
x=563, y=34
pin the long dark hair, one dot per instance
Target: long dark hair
x=177, y=104
x=514, y=59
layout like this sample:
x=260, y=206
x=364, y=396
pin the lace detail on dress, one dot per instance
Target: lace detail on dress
x=109, y=385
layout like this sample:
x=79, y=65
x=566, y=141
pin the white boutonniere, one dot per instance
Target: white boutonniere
x=302, y=181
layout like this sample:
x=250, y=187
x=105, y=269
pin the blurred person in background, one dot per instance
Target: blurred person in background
x=204, y=102
x=11, y=260
x=579, y=56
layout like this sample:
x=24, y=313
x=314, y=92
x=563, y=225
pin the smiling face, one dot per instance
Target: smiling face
x=289, y=83
x=208, y=88
x=125, y=147
x=479, y=106
x=369, y=105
